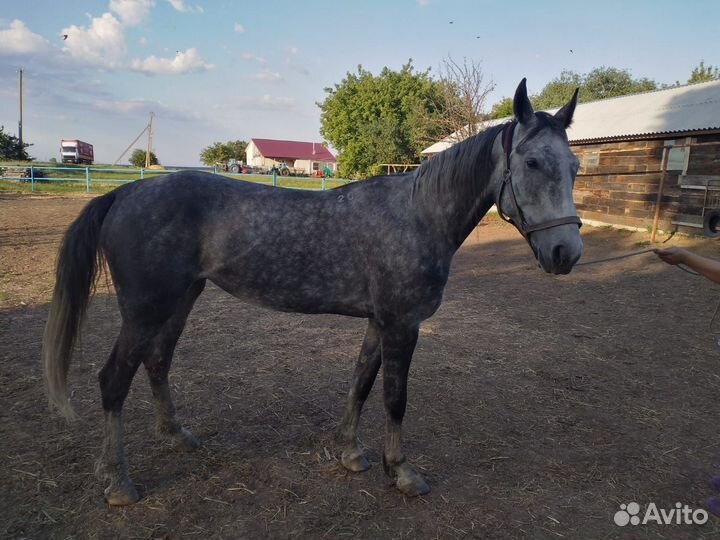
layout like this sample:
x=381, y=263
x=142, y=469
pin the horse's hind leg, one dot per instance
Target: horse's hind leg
x=158, y=366
x=148, y=325
x=366, y=370
x=132, y=345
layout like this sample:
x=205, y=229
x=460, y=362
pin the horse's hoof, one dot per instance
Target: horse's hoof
x=408, y=480
x=121, y=496
x=412, y=485
x=354, y=461
x=184, y=440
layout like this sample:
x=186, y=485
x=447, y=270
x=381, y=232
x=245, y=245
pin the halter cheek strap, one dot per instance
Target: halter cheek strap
x=523, y=226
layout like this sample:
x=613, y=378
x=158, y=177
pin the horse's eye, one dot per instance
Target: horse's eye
x=532, y=163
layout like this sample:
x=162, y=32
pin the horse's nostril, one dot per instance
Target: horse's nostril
x=558, y=254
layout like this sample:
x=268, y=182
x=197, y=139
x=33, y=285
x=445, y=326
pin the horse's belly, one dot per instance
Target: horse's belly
x=299, y=297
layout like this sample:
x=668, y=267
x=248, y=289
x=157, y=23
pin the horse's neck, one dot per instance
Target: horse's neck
x=457, y=194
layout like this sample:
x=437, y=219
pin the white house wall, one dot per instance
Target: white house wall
x=306, y=165
x=253, y=156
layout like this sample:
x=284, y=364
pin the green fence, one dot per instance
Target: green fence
x=42, y=178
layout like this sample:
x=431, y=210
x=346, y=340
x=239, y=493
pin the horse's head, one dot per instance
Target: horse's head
x=538, y=176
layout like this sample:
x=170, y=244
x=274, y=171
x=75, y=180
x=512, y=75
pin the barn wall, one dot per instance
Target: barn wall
x=618, y=182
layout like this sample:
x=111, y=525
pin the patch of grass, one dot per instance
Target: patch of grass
x=68, y=177
x=642, y=244
x=72, y=179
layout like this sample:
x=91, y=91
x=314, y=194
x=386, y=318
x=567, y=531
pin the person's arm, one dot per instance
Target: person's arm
x=709, y=268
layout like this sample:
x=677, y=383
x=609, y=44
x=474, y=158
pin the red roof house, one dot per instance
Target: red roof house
x=306, y=156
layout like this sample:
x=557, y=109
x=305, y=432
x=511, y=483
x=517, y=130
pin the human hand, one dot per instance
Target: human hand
x=673, y=255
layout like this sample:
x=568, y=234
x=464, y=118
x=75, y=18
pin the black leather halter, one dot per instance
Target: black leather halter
x=523, y=226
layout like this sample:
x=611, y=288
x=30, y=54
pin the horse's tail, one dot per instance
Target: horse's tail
x=79, y=260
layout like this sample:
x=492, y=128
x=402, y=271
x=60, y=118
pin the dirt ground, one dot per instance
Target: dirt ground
x=538, y=404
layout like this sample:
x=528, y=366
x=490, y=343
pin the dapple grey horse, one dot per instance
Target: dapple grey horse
x=381, y=249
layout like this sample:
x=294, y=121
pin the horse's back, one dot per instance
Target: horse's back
x=287, y=249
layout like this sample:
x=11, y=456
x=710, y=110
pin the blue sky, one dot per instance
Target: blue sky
x=219, y=70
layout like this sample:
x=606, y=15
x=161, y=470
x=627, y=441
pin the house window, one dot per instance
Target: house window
x=677, y=158
x=316, y=166
x=591, y=159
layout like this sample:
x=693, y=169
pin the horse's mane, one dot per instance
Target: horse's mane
x=465, y=166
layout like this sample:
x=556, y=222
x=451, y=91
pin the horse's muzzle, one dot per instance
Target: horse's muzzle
x=557, y=253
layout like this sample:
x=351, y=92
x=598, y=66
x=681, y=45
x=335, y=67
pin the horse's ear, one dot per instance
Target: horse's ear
x=522, y=109
x=565, y=115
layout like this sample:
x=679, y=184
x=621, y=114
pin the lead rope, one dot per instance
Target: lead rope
x=679, y=266
x=633, y=254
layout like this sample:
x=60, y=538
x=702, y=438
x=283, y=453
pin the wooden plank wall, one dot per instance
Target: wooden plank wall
x=618, y=182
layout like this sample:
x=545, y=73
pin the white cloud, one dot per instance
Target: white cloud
x=266, y=75
x=239, y=28
x=120, y=106
x=18, y=39
x=102, y=43
x=264, y=102
x=131, y=12
x=293, y=50
x=180, y=6
x=184, y=62
x=142, y=41
x=252, y=57
x=423, y=2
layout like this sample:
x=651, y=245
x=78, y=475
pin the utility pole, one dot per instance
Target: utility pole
x=136, y=139
x=149, y=143
x=20, y=122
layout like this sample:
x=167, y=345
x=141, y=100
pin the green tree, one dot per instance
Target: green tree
x=223, y=152
x=10, y=147
x=137, y=158
x=372, y=119
x=502, y=109
x=600, y=83
x=558, y=91
x=703, y=73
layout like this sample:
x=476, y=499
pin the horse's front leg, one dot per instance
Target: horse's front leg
x=366, y=370
x=398, y=344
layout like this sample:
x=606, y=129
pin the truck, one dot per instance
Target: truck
x=75, y=151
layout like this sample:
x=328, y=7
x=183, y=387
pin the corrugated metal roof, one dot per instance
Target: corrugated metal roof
x=694, y=107
x=689, y=108
x=272, y=148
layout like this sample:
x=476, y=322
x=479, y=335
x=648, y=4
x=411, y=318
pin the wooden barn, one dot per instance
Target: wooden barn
x=650, y=158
